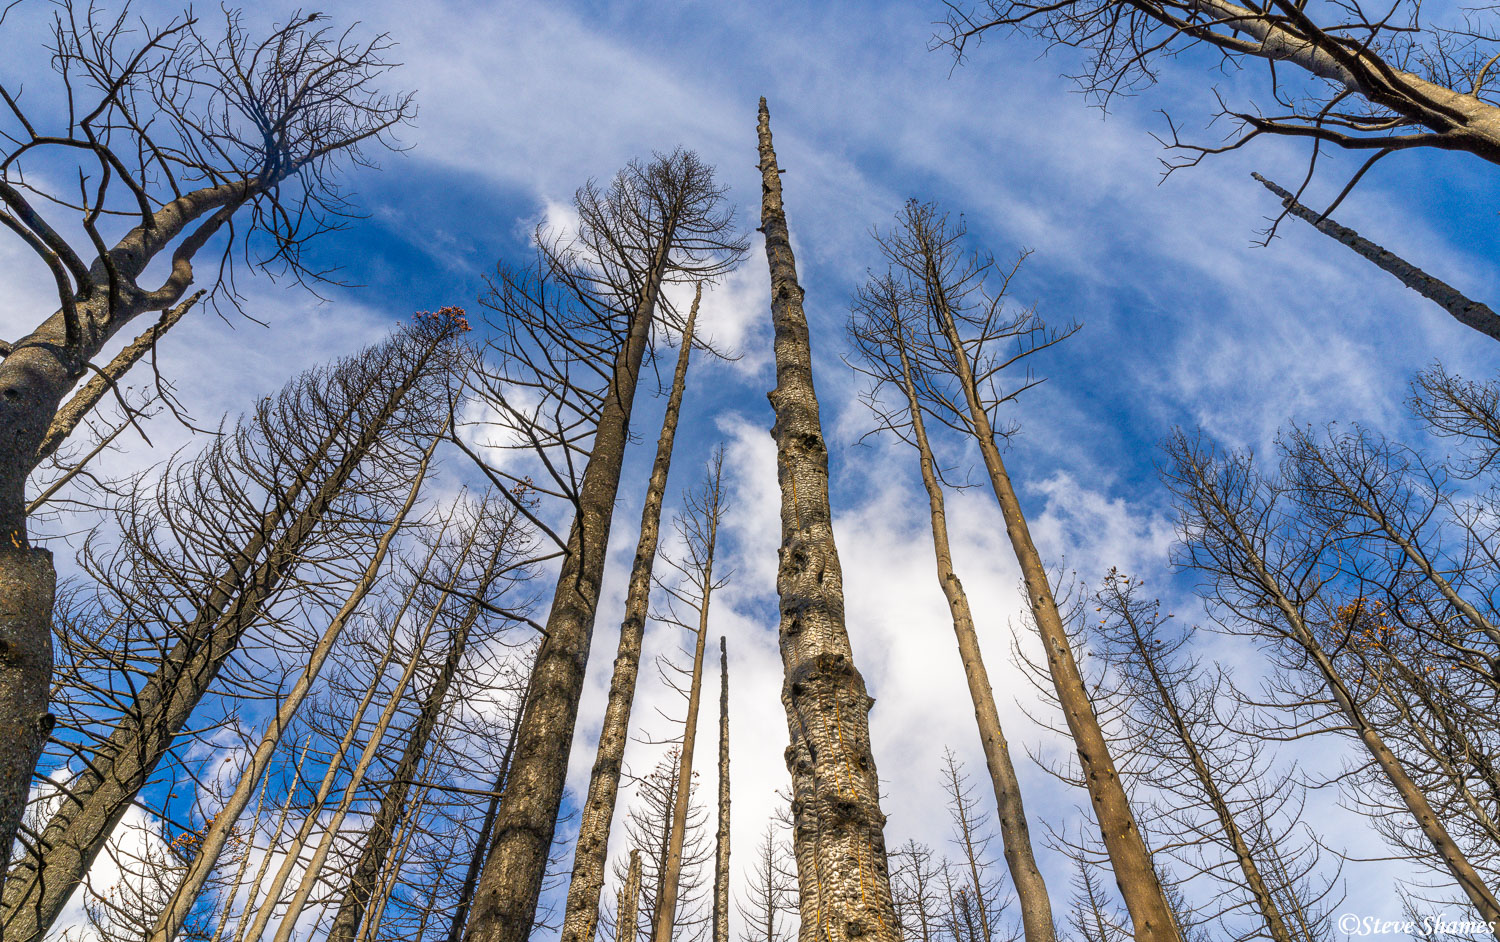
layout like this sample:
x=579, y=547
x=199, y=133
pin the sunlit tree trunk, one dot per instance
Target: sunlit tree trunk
x=837, y=837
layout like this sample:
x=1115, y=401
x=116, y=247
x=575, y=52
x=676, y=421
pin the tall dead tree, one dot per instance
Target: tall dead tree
x=973, y=338
x=573, y=334
x=172, y=133
x=581, y=918
x=629, y=900
x=1466, y=311
x=1221, y=800
x=888, y=356
x=1269, y=572
x=698, y=530
x=721, y=836
x=838, y=834
x=979, y=902
x=239, y=522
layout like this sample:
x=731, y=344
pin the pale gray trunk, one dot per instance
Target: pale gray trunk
x=721, y=836
x=511, y=882
x=1015, y=833
x=581, y=918
x=629, y=900
x=1468, y=312
x=837, y=834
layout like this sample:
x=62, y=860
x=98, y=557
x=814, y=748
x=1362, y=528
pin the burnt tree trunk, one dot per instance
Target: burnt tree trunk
x=721, y=836
x=511, y=882
x=837, y=833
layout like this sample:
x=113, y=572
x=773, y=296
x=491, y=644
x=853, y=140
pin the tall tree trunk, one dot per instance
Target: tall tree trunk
x=39, y=887
x=1020, y=858
x=1150, y=913
x=666, y=907
x=581, y=918
x=222, y=827
x=382, y=830
x=629, y=900
x=721, y=836
x=511, y=882
x=837, y=833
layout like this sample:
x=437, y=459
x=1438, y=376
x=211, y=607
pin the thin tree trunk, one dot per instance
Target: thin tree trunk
x=1020, y=858
x=219, y=831
x=1150, y=913
x=666, y=907
x=381, y=832
x=581, y=918
x=837, y=834
x=721, y=837
x=292, y=853
x=511, y=882
x=1468, y=312
x=629, y=900
x=39, y=887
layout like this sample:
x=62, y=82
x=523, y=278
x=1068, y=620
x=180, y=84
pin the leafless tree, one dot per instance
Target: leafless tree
x=721, y=836
x=698, y=533
x=173, y=133
x=838, y=838
x=648, y=826
x=204, y=550
x=916, y=875
x=1219, y=803
x=892, y=355
x=980, y=899
x=971, y=337
x=1377, y=80
x=573, y=332
x=1273, y=576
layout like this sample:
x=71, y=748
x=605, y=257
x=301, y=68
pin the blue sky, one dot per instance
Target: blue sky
x=1185, y=321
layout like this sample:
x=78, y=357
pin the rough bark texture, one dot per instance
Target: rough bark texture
x=1466, y=311
x=721, y=836
x=582, y=916
x=1150, y=913
x=37, y=889
x=629, y=901
x=671, y=878
x=837, y=822
x=505, y=902
x=27, y=585
x=381, y=834
x=1020, y=858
